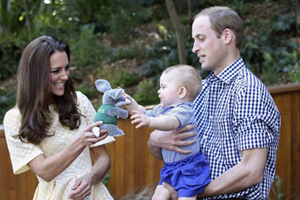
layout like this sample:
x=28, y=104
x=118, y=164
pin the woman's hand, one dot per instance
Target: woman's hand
x=82, y=188
x=89, y=138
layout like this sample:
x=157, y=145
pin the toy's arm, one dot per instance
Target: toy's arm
x=118, y=112
x=163, y=123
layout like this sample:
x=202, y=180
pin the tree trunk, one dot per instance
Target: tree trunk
x=178, y=28
x=190, y=20
x=28, y=22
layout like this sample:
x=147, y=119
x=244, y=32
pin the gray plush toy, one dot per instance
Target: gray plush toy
x=109, y=111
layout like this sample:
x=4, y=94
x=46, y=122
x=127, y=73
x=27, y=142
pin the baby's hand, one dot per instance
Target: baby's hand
x=141, y=119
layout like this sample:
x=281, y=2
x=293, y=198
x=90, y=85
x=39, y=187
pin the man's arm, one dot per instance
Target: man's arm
x=248, y=172
x=171, y=140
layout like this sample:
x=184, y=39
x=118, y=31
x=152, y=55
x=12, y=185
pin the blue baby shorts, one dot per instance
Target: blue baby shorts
x=188, y=176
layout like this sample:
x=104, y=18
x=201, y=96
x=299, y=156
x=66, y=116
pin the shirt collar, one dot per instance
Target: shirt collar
x=228, y=73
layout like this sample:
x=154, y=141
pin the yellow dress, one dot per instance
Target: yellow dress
x=22, y=153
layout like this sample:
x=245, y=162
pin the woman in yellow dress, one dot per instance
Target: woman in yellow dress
x=49, y=129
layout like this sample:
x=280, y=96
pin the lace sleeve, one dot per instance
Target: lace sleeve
x=86, y=107
x=21, y=153
x=89, y=112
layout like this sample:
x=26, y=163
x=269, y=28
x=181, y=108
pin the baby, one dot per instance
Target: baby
x=188, y=174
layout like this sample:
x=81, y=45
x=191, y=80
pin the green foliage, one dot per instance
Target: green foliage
x=129, y=16
x=125, y=79
x=90, y=92
x=271, y=54
x=8, y=65
x=160, y=55
x=146, y=94
x=163, y=53
x=7, y=101
x=133, y=51
x=277, y=189
x=106, y=178
x=294, y=68
x=87, y=50
x=93, y=27
x=118, y=77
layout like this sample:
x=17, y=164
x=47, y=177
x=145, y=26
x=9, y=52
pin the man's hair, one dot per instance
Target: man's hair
x=222, y=18
x=34, y=93
x=188, y=77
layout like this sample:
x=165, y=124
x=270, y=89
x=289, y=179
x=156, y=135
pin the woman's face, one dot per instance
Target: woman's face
x=59, y=72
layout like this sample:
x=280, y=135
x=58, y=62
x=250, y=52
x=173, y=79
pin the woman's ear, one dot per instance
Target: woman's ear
x=182, y=92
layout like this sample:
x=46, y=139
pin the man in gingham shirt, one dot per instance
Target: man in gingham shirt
x=237, y=118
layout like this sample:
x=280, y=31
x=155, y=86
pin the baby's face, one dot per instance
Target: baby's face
x=168, y=92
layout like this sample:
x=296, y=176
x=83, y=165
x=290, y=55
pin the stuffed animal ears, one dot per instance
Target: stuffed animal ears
x=116, y=93
x=102, y=85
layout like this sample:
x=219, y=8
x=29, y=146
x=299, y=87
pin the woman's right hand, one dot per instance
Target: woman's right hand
x=89, y=138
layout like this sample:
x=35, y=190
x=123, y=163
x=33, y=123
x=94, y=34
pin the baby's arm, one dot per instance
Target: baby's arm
x=133, y=105
x=163, y=123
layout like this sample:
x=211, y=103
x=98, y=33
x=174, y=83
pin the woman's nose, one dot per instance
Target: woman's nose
x=65, y=75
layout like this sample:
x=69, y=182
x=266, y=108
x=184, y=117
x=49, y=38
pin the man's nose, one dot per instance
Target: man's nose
x=195, y=47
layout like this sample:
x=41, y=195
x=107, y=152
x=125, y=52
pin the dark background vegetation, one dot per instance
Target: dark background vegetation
x=130, y=42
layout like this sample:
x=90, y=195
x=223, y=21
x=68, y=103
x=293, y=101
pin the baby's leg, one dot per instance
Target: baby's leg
x=161, y=193
x=187, y=198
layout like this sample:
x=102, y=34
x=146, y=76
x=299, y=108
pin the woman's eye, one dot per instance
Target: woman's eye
x=55, y=71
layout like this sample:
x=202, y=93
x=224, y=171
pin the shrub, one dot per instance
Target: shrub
x=125, y=79
x=7, y=101
x=146, y=94
x=87, y=50
x=90, y=92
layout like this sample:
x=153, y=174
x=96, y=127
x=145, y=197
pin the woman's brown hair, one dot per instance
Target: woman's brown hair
x=34, y=94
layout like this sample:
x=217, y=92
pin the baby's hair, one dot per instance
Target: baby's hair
x=186, y=76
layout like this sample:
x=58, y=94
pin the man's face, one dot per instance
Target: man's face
x=210, y=49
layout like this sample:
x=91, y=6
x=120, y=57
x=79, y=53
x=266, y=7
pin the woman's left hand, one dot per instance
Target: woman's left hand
x=82, y=188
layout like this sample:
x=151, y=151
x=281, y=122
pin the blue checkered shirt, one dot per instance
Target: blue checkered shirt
x=235, y=112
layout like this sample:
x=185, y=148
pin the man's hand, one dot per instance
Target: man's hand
x=171, y=140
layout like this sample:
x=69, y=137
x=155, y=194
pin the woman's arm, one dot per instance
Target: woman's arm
x=83, y=185
x=49, y=168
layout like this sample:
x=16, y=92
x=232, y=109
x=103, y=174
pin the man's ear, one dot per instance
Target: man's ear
x=182, y=92
x=228, y=36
